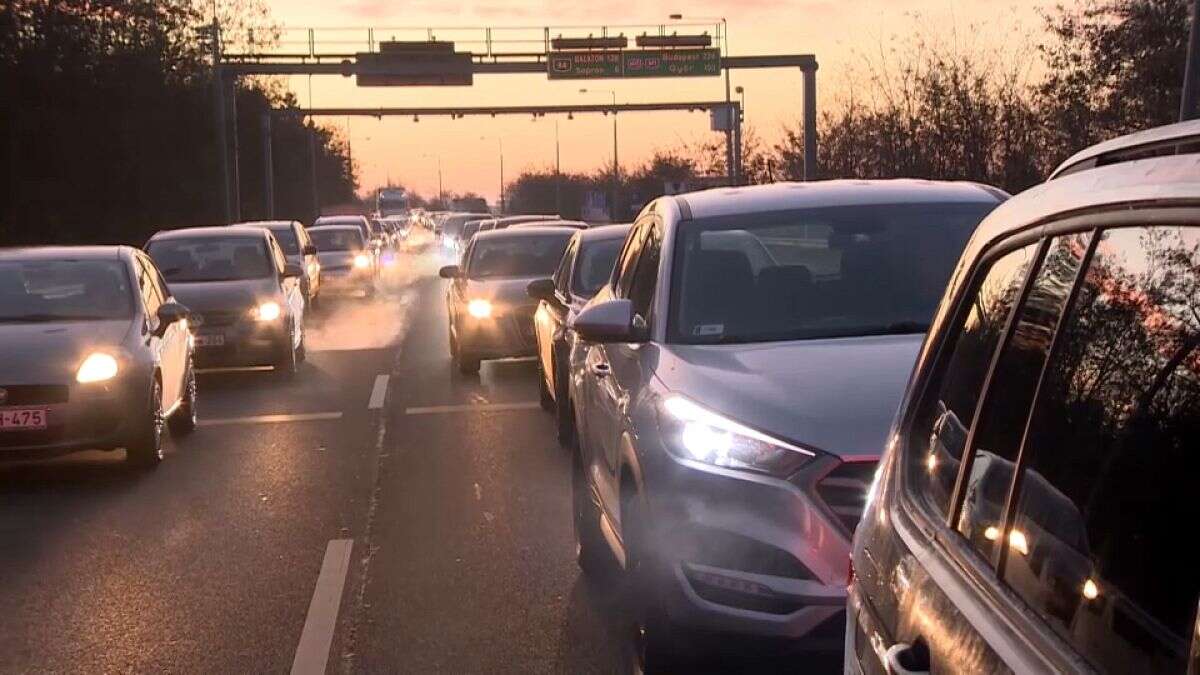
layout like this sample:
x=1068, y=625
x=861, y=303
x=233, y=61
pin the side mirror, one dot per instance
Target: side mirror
x=608, y=321
x=450, y=272
x=309, y=250
x=169, y=313
x=292, y=270
x=542, y=289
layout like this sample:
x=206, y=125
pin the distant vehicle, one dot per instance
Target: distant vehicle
x=730, y=405
x=370, y=229
x=246, y=305
x=96, y=354
x=491, y=316
x=298, y=247
x=1040, y=474
x=391, y=202
x=508, y=221
x=470, y=205
x=452, y=228
x=585, y=268
x=347, y=259
x=577, y=224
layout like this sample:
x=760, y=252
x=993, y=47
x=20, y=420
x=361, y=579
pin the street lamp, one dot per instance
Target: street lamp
x=441, y=194
x=729, y=158
x=612, y=208
x=500, y=142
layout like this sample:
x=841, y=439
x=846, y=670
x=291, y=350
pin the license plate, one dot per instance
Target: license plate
x=210, y=340
x=22, y=419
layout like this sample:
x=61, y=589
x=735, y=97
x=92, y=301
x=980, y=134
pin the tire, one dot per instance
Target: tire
x=468, y=364
x=301, y=351
x=183, y=422
x=545, y=399
x=659, y=643
x=286, y=364
x=591, y=550
x=145, y=448
x=564, y=413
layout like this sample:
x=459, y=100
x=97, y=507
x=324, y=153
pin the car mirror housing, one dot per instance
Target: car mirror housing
x=309, y=250
x=450, y=272
x=292, y=270
x=541, y=289
x=169, y=313
x=608, y=321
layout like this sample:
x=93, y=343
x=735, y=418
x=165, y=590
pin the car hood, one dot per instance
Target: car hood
x=224, y=295
x=507, y=291
x=838, y=396
x=48, y=353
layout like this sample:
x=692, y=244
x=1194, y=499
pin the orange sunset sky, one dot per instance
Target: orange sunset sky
x=843, y=34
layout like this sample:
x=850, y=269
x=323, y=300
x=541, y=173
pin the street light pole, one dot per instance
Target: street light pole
x=730, y=161
x=1191, y=71
x=612, y=208
x=502, y=207
x=557, y=173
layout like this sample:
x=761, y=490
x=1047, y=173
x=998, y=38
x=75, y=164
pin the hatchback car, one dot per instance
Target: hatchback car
x=247, y=307
x=585, y=268
x=96, y=354
x=1032, y=508
x=370, y=228
x=347, y=261
x=505, y=222
x=732, y=386
x=491, y=314
x=451, y=231
x=294, y=239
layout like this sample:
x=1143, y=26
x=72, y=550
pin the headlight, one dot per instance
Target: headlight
x=97, y=367
x=480, y=309
x=362, y=261
x=267, y=311
x=694, y=432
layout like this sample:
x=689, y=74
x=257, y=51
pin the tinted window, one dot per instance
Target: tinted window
x=641, y=290
x=563, y=273
x=286, y=236
x=525, y=256
x=63, y=290
x=595, y=266
x=940, y=434
x=211, y=258
x=1107, y=502
x=1002, y=422
x=336, y=239
x=627, y=262
x=816, y=273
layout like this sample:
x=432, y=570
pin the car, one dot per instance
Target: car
x=730, y=406
x=586, y=266
x=508, y=221
x=347, y=259
x=1028, y=511
x=577, y=224
x=247, y=308
x=96, y=354
x=299, y=249
x=369, y=227
x=451, y=230
x=491, y=315
x=470, y=229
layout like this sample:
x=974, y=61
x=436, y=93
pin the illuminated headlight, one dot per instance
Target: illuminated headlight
x=97, y=367
x=362, y=261
x=267, y=311
x=694, y=432
x=448, y=242
x=480, y=309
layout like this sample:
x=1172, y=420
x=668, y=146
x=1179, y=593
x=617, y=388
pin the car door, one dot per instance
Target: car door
x=308, y=262
x=293, y=295
x=551, y=319
x=160, y=346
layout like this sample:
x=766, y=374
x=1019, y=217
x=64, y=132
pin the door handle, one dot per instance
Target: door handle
x=600, y=369
x=908, y=659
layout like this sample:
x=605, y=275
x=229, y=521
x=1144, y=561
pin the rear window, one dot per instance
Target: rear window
x=595, y=265
x=526, y=256
x=336, y=239
x=211, y=258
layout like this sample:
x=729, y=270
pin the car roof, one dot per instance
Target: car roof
x=1166, y=135
x=214, y=231
x=341, y=219
x=334, y=226
x=576, y=224
x=526, y=218
x=64, y=253
x=603, y=232
x=815, y=194
x=269, y=224
x=523, y=233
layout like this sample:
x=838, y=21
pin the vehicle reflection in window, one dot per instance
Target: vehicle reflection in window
x=63, y=290
x=1002, y=423
x=936, y=466
x=595, y=266
x=211, y=259
x=1113, y=463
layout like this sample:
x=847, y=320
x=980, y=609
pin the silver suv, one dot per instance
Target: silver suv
x=733, y=385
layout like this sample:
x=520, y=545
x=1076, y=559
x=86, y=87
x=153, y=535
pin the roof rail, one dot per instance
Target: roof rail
x=1173, y=139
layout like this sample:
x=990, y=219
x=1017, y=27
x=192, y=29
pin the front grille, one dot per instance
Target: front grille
x=726, y=550
x=218, y=319
x=35, y=394
x=844, y=491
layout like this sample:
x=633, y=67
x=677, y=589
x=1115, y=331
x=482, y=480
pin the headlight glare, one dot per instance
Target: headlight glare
x=97, y=367
x=694, y=432
x=480, y=309
x=362, y=261
x=267, y=311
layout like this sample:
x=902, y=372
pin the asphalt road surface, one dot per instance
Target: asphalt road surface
x=377, y=513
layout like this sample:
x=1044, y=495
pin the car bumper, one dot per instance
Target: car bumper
x=242, y=344
x=507, y=335
x=348, y=281
x=750, y=554
x=99, y=417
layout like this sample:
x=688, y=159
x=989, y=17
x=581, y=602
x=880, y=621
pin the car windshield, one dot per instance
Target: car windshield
x=594, y=266
x=64, y=290
x=817, y=273
x=336, y=239
x=453, y=227
x=525, y=256
x=286, y=237
x=200, y=259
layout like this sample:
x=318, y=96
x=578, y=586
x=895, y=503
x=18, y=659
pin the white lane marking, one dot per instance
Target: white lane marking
x=270, y=419
x=470, y=407
x=378, y=392
x=312, y=654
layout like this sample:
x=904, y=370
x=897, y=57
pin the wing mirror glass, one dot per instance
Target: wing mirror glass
x=542, y=289
x=169, y=313
x=292, y=270
x=450, y=272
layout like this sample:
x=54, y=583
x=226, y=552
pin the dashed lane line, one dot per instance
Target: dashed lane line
x=378, y=392
x=312, y=654
x=470, y=408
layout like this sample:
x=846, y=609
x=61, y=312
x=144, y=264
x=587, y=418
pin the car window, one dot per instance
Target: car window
x=623, y=274
x=940, y=432
x=1001, y=423
x=64, y=290
x=1107, y=498
x=645, y=278
x=288, y=241
x=595, y=266
x=201, y=259
x=337, y=239
x=277, y=254
x=525, y=256
x=152, y=298
x=562, y=276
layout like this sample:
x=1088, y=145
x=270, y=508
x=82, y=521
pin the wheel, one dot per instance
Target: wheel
x=287, y=364
x=659, y=642
x=301, y=351
x=145, y=449
x=546, y=400
x=591, y=551
x=183, y=422
x=564, y=418
x=468, y=364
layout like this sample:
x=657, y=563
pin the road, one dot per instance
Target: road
x=377, y=513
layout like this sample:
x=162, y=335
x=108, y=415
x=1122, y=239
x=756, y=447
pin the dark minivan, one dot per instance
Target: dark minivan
x=1032, y=508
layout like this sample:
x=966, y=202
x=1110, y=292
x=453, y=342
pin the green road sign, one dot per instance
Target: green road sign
x=634, y=63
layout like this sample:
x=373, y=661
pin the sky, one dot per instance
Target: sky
x=844, y=35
